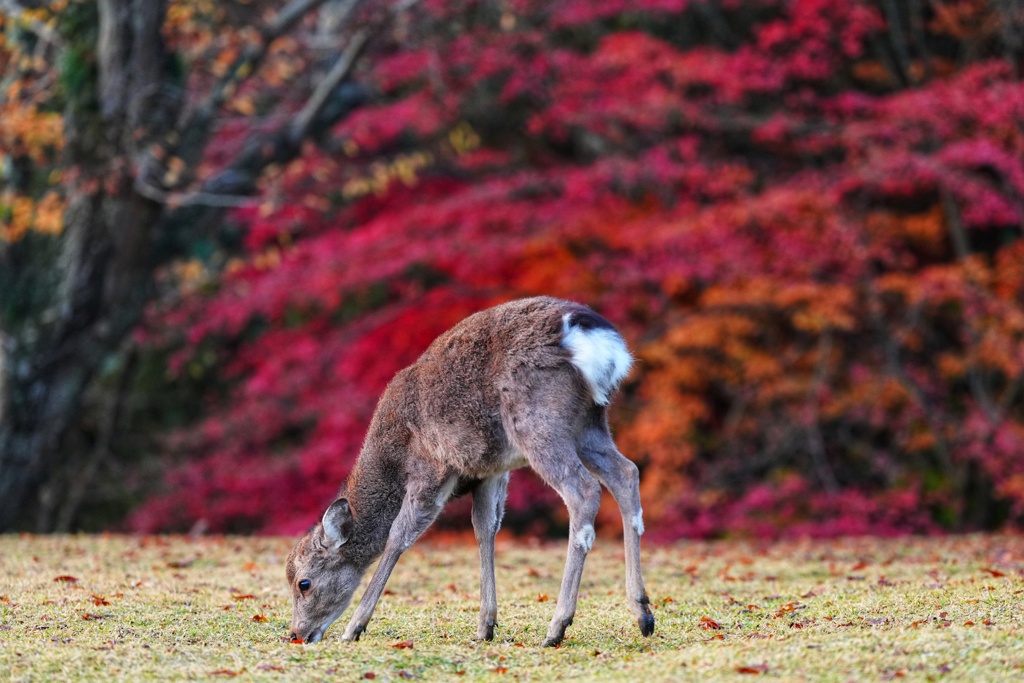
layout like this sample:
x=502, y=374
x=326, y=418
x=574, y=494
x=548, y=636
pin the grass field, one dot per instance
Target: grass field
x=125, y=608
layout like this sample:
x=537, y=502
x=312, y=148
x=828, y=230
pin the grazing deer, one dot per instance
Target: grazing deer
x=526, y=383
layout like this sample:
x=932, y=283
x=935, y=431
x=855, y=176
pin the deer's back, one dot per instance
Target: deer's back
x=464, y=398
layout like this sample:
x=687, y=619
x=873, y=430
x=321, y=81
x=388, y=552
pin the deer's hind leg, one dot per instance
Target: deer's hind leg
x=488, y=509
x=554, y=457
x=622, y=478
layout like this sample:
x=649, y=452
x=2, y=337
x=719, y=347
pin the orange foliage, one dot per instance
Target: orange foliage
x=819, y=269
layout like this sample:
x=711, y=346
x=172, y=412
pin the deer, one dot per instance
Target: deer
x=523, y=384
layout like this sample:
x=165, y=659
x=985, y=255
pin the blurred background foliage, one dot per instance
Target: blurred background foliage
x=805, y=216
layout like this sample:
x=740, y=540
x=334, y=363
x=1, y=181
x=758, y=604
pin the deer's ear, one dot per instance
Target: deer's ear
x=337, y=523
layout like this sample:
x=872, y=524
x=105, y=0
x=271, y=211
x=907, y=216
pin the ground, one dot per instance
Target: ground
x=130, y=608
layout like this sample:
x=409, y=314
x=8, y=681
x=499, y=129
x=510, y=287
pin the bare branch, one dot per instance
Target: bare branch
x=919, y=38
x=815, y=441
x=932, y=413
x=958, y=235
x=898, y=41
x=301, y=125
x=179, y=199
x=247, y=63
x=287, y=17
x=239, y=176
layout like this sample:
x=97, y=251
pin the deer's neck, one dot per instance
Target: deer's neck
x=375, y=489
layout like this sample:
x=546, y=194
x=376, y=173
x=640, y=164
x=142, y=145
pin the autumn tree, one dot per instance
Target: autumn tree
x=805, y=215
x=110, y=113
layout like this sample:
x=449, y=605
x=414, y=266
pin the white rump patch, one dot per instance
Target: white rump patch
x=585, y=538
x=638, y=522
x=600, y=354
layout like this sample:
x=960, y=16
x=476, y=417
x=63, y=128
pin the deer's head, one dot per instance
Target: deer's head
x=321, y=577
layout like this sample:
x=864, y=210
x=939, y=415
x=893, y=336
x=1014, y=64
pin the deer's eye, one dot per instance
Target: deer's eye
x=304, y=585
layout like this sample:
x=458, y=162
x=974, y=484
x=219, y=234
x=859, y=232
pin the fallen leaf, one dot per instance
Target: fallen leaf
x=369, y=675
x=270, y=667
x=247, y=596
x=500, y=669
x=403, y=645
x=227, y=672
x=760, y=669
x=785, y=609
x=541, y=597
x=250, y=566
x=297, y=641
x=94, y=617
x=405, y=674
x=707, y=623
x=258, y=617
x=994, y=572
x=66, y=579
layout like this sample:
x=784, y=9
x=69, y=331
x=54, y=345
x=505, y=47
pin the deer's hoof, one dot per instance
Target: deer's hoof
x=486, y=631
x=552, y=641
x=646, y=623
x=352, y=635
x=557, y=632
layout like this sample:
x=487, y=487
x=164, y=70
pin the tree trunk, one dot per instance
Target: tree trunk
x=86, y=299
x=105, y=262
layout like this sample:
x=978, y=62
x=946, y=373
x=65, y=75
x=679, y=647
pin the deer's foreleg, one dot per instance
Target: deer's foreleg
x=423, y=502
x=488, y=509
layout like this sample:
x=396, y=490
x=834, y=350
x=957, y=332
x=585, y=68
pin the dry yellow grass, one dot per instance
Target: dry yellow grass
x=217, y=608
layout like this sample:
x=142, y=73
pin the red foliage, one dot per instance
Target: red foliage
x=819, y=267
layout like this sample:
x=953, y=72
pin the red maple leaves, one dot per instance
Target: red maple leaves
x=817, y=265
